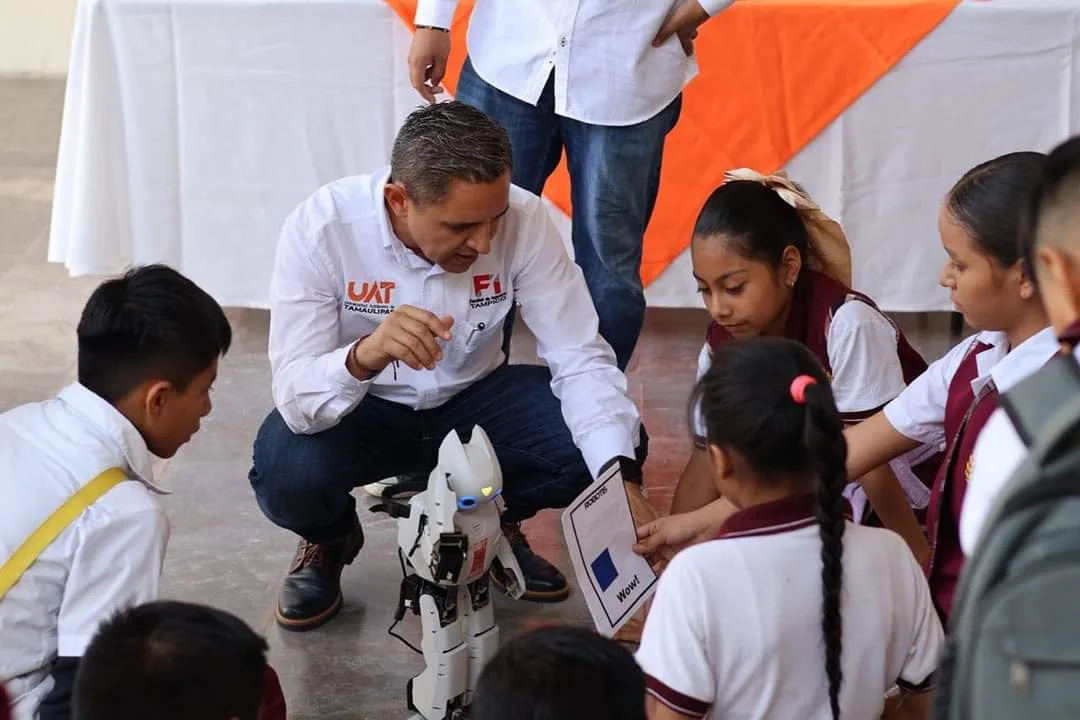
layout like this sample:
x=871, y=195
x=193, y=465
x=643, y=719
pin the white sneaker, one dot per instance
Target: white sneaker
x=397, y=488
x=378, y=488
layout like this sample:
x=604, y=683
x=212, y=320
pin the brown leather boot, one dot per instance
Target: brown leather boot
x=311, y=594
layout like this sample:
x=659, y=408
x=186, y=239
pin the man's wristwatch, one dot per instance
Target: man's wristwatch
x=630, y=469
x=432, y=27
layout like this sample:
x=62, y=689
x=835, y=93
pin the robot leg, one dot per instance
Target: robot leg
x=482, y=632
x=438, y=693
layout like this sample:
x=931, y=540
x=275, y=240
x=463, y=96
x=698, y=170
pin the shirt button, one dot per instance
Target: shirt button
x=563, y=41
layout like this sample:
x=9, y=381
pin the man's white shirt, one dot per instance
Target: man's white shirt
x=606, y=70
x=340, y=270
x=109, y=558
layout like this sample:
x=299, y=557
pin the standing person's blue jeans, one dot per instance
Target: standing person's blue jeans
x=614, y=178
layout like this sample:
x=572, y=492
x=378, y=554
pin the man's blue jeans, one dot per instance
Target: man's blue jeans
x=302, y=482
x=614, y=178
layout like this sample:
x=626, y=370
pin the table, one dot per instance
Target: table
x=191, y=129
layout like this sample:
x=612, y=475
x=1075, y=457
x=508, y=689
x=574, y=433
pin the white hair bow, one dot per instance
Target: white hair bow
x=828, y=244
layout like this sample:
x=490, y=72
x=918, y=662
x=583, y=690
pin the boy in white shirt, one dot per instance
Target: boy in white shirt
x=148, y=349
x=1051, y=245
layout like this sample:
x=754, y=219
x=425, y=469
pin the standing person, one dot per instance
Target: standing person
x=388, y=300
x=602, y=79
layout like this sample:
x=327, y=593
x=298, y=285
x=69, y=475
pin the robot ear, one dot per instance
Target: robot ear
x=452, y=455
x=481, y=441
x=482, y=455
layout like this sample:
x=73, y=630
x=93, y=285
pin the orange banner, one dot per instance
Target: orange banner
x=774, y=73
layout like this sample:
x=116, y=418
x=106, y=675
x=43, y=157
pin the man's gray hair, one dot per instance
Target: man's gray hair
x=444, y=142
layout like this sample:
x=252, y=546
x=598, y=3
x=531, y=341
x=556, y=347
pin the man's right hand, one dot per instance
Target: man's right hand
x=408, y=334
x=427, y=61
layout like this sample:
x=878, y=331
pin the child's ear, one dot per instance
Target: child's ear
x=721, y=461
x=1027, y=287
x=1062, y=269
x=790, y=266
x=156, y=396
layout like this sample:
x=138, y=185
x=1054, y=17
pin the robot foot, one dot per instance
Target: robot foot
x=454, y=711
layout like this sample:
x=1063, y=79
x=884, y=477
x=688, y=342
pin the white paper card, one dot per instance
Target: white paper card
x=600, y=536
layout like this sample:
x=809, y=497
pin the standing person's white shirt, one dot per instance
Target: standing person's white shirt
x=109, y=558
x=341, y=270
x=606, y=70
x=998, y=453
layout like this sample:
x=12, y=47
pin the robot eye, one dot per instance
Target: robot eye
x=466, y=502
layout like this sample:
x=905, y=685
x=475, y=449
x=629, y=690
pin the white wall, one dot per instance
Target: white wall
x=35, y=36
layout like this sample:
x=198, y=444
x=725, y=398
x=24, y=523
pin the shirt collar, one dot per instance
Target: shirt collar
x=389, y=239
x=104, y=417
x=779, y=516
x=1007, y=368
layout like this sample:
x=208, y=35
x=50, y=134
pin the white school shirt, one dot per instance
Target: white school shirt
x=735, y=628
x=998, y=452
x=340, y=270
x=108, y=559
x=862, y=347
x=606, y=70
x=866, y=374
x=919, y=412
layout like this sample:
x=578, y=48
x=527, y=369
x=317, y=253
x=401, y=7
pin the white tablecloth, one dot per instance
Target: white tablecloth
x=191, y=129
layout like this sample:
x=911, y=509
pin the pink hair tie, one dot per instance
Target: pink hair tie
x=798, y=388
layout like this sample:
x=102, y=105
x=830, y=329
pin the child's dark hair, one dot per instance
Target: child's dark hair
x=151, y=324
x=990, y=199
x=1058, y=185
x=560, y=673
x=171, y=661
x=747, y=404
x=757, y=222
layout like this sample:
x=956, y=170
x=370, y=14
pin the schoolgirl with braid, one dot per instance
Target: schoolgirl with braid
x=794, y=611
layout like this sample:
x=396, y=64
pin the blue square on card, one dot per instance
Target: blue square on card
x=604, y=570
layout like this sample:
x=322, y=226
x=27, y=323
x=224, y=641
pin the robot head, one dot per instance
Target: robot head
x=472, y=470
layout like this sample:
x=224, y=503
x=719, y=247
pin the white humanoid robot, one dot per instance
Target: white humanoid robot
x=448, y=537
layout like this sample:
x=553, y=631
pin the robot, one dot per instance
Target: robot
x=448, y=536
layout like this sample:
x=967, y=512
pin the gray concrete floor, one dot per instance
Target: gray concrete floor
x=222, y=551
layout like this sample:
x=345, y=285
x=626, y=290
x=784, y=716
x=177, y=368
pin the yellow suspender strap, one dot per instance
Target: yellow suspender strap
x=48, y=531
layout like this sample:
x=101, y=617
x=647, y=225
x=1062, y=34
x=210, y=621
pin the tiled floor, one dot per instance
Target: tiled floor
x=222, y=550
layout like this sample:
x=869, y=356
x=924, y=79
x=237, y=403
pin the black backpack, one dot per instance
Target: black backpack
x=1014, y=643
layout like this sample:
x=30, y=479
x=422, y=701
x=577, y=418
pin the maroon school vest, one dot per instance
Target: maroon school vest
x=816, y=299
x=965, y=416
